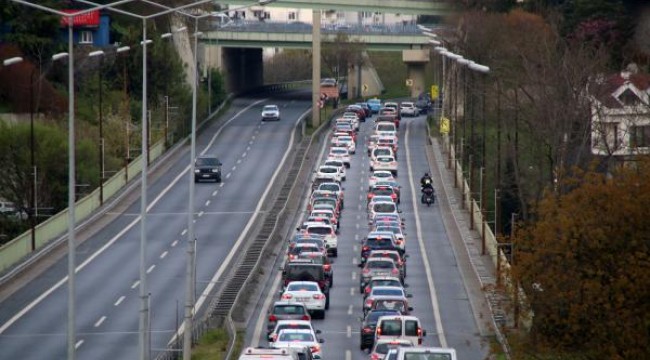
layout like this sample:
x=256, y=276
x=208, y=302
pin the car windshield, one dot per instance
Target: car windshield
x=314, y=258
x=207, y=161
x=292, y=336
x=292, y=326
x=270, y=108
x=305, y=272
x=339, y=151
x=320, y=230
x=329, y=187
x=382, y=174
x=426, y=356
x=386, y=127
x=374, y=315
x=388, y=292
x=329, y=170
x=385, y=282
x=384, y=207
x=394, y=229
x=380, y=265
x=379, y=242
x=382, y=191
x=390, y=305
x=288, y=310
x=302, y=287
x=380, y=151
x=382, y=348
x=325, y=200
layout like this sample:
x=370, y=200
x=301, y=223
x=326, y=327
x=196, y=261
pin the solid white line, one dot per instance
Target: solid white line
x=100, y=321
x=207, y=203
x=79, y=343
x=162, y=256
x=174, y=243
x=135, y=284
x=235, y=248
x=425, y=258
x=150, y=269
x=119, y=301
x=259, y=324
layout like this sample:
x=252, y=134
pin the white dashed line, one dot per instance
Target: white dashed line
x=352, y=291
x=356, y=236
x=100, y=321
x=357, y=225
x=150, y=269
x=119, y=301
x=234, y=168
x=214, y=193
x=350, y=310
x=349, y=330
x=358, y=218
x=228, y=175
x=79, y=343
x=222, y=184
x=354, y=261
x=174, y=243
x=355, y=248
x=348, y=355
x=135, y=284
x=250, y=143
x=253, y=137
x=354, y=275
x=248, y=148
x=207, y=203
x=183, y=232
x=200, y=213
x=238, y=161
x=244, y=154
x=162, y=256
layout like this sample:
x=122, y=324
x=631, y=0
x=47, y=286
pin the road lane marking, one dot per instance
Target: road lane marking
x=354, y=261
x=183, y=232
x=119, y=301
x=117, y=236
x=162, y=256
x=354, y=276
x=350, y=311
x=100, y=321
x=234, y=167
x=244, y=154
x=207, y=203
x=228, y=175
x=248, y=148
x=222, y=184
x=238, y=161
x=349, y=331
x=78, y=344
x=352, y=291
x=174, y=243
x=214, y=193
x=200, y=213
x=425, y=259
x=235, y=247
x=135, y=284
x=150, y=269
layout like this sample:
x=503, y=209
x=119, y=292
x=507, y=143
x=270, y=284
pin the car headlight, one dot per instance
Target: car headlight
x=215, y=170
x=196, y=171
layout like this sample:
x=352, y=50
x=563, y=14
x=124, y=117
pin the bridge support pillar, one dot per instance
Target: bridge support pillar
x=415, y=60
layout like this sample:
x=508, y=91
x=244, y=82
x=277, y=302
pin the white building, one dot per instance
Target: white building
x=620, y=108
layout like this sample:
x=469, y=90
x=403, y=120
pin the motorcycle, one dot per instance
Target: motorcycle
x=428, y=196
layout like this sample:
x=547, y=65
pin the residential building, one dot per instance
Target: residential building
x=90, y=28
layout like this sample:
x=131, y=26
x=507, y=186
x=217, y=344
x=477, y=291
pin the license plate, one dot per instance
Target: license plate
x=303, y=299
x=205, y=175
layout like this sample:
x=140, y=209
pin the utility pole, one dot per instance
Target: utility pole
x=315, y=74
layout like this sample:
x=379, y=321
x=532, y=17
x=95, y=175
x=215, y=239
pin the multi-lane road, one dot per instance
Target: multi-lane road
x=439, y=299
x=33, y=317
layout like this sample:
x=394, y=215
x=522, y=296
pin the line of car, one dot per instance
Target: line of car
x=387, y=326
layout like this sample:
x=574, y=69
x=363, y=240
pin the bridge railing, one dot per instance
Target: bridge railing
x=330, y=29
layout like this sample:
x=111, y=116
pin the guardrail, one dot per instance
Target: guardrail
x=301, y=27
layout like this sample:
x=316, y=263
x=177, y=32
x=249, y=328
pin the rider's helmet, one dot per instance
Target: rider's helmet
x=426, y=174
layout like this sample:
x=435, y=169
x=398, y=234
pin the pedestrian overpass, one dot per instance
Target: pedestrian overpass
x=410, y=7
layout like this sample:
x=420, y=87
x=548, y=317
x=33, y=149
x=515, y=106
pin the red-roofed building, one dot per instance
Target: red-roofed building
x=620, y=105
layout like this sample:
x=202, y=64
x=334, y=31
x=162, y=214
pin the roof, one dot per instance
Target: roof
x=609, y=90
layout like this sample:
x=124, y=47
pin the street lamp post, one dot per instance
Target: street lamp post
x=101, y=124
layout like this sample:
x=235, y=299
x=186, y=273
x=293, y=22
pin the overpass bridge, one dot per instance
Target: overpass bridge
x=410, y=7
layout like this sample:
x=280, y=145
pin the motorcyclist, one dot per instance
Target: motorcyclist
x=426, y=181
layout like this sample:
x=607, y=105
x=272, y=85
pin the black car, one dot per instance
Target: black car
x=207, y=167
x=369, y=324
x=307, y=270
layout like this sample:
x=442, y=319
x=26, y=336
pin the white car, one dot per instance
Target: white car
x=382, y=346
x=288, y=338
x=379, y=175
x=381, y=150
x=329, y=233
x=270, y=112
x=308, y=293
x=329, y=172
x=385, y=128
x=409, y=109
x=371, y=143
x=382, y=207
x=379, y=198
x=291, y=324
x=353, y=118
x=340, y=153
x=384, y=162
x=348, y=142
x=339, y=164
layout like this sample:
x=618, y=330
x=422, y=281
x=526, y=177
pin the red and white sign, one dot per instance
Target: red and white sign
x=86, y=19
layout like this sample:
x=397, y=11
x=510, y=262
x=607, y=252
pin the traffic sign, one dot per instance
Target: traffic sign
x=409, y=82
x=444, y=125
x=364, y=87
x=434, y=92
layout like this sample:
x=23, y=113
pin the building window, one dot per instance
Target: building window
x=640, y=136
x=366, y=14
x=86, y=37
x=629, y=98
x=607, y=138
x=292, y=16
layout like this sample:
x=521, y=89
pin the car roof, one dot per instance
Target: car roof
x=287, y=303
x=303, y=283
x=384, y=278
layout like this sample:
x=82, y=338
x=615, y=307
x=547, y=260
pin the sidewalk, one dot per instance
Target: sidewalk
x=478, y=271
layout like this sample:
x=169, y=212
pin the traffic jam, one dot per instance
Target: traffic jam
x=387, y=326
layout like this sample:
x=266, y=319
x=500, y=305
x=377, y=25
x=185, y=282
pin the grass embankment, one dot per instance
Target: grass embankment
x=214, y=345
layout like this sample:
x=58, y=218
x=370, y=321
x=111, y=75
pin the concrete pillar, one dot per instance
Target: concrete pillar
x=415, y=60
x=315, y=63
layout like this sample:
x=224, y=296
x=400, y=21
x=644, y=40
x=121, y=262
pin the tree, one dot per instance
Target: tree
x=585, y=266
x=339, y=53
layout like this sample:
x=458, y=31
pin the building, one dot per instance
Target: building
x=90, y=28
x=620, y=110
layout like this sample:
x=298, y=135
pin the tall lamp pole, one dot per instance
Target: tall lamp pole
x=101, y=124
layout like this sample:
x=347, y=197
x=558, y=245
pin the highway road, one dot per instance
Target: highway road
x=33, y=320
x=440, y=298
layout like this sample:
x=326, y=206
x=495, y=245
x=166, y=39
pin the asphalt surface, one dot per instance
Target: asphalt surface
x=33, y=321
x=440, y=299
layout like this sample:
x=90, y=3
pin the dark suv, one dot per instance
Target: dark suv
x=307, y=270
x=207, y=167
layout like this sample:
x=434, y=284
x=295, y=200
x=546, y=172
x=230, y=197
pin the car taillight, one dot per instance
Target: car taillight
x=367, y=290
x=400, y=262
x=274, y=338
x=374, y=356
x=394, y=271
x=366, y=248
x=327, y=267
x=315, y=349
x=378, y=331
x=367, y=330
x=420, y=332
x=368, y=303
x=272, y=318
x=292, y=257
x=398, y=242
x=393, y=196
x=369, y=196
x=305, y=317
x=319, y=296
x=366, y=271
x=286, y=296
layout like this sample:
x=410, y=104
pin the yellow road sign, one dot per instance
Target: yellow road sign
x=434, y=92
x=409, y=82
x=364, y=87
x=444, y=125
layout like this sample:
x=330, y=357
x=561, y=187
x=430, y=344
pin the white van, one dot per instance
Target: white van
x=404, y=327
x=426, y=353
